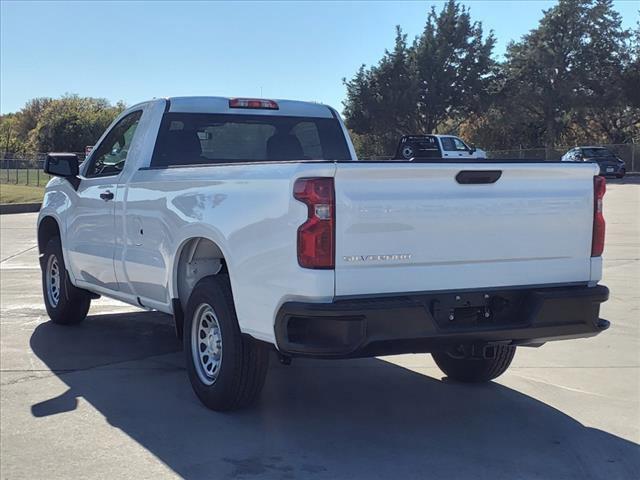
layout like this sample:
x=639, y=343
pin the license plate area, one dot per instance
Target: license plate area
x=609, y=169
x=472, y=310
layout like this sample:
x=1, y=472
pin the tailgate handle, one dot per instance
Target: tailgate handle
x=476, y=177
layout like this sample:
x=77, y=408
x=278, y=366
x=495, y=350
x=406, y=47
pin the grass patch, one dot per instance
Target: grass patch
x=20, y=193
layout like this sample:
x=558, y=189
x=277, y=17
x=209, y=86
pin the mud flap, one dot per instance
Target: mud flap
x=178, y=317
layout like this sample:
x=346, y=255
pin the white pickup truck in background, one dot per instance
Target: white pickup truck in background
x=253, y=223
x=446, y=147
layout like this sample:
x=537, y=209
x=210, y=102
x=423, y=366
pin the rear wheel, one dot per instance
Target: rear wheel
x=227, y=370
x=65, y=303
x=465, y=364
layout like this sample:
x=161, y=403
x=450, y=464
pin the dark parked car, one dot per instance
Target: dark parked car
x=610, y=164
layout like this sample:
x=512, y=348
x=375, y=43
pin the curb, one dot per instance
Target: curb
x=6, y=208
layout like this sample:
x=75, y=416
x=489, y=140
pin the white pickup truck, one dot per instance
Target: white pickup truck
x=446, y=147
x=254, y=224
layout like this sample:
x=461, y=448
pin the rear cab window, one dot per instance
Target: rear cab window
x=202, y=138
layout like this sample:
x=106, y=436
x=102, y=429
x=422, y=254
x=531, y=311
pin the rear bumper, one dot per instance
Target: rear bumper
x=415, y=323
x=611, y=170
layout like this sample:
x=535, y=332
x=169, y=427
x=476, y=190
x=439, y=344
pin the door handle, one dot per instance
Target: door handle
x=106, y=196
x=476, y=177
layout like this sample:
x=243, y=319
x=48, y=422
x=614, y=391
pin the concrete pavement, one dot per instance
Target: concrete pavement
x=110, y=398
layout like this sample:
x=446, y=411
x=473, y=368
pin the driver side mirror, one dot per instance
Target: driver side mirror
x=472, y=148
x=65, y=165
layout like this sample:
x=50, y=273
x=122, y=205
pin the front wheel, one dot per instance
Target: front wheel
x=227, y=370
x=460, y=364
x=65, y=303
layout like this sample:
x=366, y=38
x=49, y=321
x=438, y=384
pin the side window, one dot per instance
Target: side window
x=448, y=144
x=110, y=156
x=460, y=145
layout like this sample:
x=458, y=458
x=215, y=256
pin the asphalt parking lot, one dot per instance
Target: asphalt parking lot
x=110, y=398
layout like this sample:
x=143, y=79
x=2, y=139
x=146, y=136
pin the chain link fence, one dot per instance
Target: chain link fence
x=25, y=169
x=629, y=152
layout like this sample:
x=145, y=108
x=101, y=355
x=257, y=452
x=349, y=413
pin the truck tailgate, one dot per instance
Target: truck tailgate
x=409, y=227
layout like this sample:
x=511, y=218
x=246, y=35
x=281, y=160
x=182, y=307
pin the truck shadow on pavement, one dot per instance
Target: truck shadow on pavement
x=317, y=419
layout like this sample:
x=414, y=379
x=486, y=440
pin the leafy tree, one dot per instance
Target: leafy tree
x=572, y=80
x=454, y=66
x=441, y=77
x=631, y=76
x=15, y=127
x=71, y=123
x=382, y=101
x=66, y=124
x=605, y=107
x=568, y=71
x=501, y=127
x=30, y=114
x=9, y=139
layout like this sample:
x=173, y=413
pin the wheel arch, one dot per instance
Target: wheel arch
x=48, y=228
x=196, y=257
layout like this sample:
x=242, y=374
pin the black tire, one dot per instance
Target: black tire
x=242, y=370
x=475, y=370
x=72, y=303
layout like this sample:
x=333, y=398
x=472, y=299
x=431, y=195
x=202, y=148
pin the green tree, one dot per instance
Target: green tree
x=71, y=123
x=382, y=101
x=605, y=110
x=443, y=76
x=15, y=127
x=29, y=115
x=568, y=71
x=9, y=138
x=454, y=66
x=631, y=76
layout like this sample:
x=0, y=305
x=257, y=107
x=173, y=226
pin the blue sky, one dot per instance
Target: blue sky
x=135, y=51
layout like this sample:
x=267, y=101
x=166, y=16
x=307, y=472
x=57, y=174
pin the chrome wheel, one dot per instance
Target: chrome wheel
x=53, y=281
x=206, y=344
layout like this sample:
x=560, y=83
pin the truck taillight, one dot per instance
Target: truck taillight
x=256, y=103
x=597, y=244
x=316, y=236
